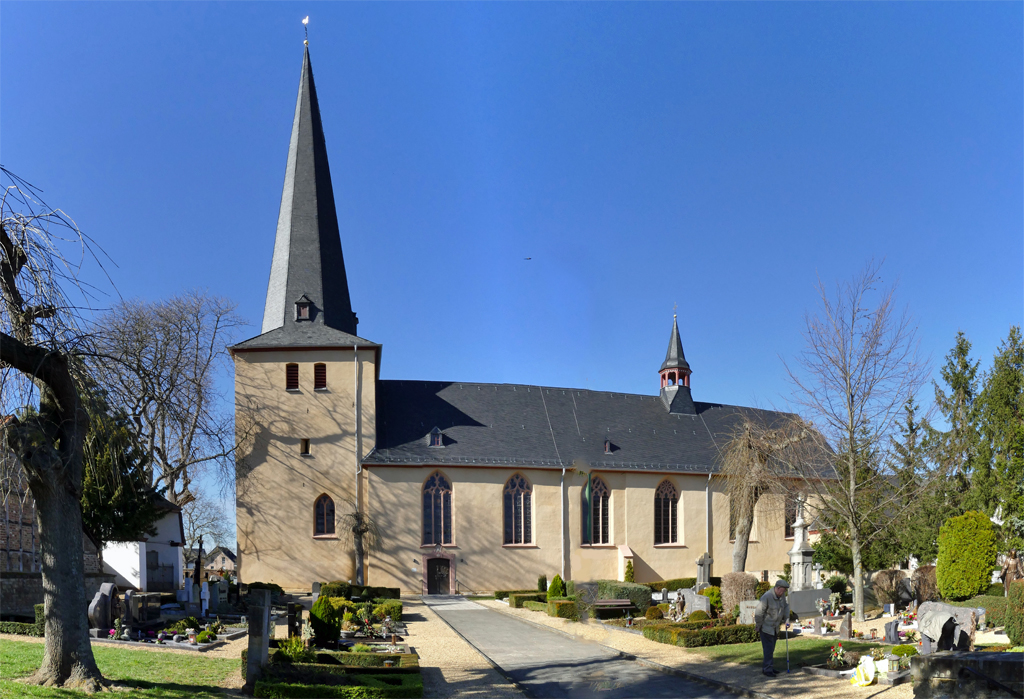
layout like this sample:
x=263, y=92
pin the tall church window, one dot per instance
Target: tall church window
x=666, y=500
x=437, y=510
x=599, y=500
x=291, y=377
x=319, y=377
x=323, y=516
x=518, y=510
x=790, y=515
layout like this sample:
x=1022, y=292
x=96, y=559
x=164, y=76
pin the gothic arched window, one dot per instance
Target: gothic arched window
x=323, y=519
x=437, y=510
x=518, y=510
x=599, y=497
x=666, y=500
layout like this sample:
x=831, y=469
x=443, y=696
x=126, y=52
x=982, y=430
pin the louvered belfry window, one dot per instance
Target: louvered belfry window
x=666, y=500
x=599, y=500
x=319, y=376
x=291, y=377
x=437, y=510
x=518, y=510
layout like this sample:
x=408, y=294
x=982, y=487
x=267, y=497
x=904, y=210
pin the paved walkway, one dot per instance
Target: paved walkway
x=547, y=664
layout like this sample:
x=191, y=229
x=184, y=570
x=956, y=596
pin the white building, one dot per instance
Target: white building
x=152, y=564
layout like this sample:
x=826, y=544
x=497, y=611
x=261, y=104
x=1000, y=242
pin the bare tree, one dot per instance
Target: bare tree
x=362, y=531
x=858, y=370
x=42, y=378
x=202, y=518
x=160, y=362
x=757, y=461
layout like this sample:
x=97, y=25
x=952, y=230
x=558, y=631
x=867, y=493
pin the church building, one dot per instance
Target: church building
x=474, y=486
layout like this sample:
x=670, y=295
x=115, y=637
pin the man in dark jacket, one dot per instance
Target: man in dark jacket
x=771, y=615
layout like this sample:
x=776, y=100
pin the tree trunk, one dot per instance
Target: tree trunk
x=67, y=655
x=858, y=578
x=744, y=524
x=358, y=541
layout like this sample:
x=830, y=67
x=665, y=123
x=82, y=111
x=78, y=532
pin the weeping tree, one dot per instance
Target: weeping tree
x=41, y=382
x=361, y=530
x=756, y=462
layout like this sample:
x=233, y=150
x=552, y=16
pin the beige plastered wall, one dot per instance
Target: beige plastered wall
x=275, y=501
x=482, y=562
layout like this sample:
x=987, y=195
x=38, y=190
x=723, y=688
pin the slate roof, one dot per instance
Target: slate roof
x=305, y=335
x=543, y=427
x=674, y=357
x=307, y=250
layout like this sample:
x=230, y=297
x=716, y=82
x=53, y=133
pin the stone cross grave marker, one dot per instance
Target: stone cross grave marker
x=704, y=570
x=747, y=610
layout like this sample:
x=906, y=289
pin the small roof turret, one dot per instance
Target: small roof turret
x=674, y=358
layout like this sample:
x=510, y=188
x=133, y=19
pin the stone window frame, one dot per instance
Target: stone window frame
x=603, y=517
x=437, y=490
x=330, y=532
x=524, y=489
x=666, y=491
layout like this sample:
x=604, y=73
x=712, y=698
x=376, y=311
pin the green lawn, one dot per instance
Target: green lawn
x=802, y=651
x=151, y=673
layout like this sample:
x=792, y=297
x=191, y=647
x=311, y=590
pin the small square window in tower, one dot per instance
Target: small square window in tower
x=302, y=308
x=291, y=377
x=319, y=377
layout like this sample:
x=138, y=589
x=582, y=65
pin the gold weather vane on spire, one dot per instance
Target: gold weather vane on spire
x=305, y=27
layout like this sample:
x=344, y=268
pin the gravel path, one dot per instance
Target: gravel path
x=794, y=685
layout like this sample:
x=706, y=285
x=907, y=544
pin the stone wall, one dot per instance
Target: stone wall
x=20, y=592
x=953, y=675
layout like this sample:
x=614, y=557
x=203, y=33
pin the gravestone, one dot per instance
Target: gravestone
x=214, y=600
x=945, y=627
x=193, y=609
x=664, y=595
x=892, y=632
x=696, y=602
x=817, y=625
x=801, y=554
x=704, y=571
x=195, y=594
x=204, y=595
x=846, y=628
x=102, y=610
x=803, y=603
x=294, y=619
x=130, y=608
x=818, y=583
x=259, y=635
x=316, y=589
x=747, y=611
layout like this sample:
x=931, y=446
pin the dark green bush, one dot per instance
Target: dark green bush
x=967, y=552
x=556, y=589
x=904, y=651
x=654, y=613
x=363, y=686
x=542, y=583
x=19, y=628
x=639, y=595
x=516, y=600
x=714, y=595
x=673, y=634
x=671, y=585
x=336, y=589
x=629, y=575
x=837, y=583
x=699, y=615
x=563, y=609
x=325, y=621
x=1015, y=613
x=206, y=636
x=275, y=590
x=502, y=594
x=391, y=608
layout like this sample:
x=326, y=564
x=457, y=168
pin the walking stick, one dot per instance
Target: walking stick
x=787, y=649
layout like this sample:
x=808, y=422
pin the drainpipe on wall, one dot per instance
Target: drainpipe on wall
x=359, y=430
x=561, y=490
x=707, y=518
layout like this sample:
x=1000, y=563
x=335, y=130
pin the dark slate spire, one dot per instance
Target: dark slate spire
x=674, y=358
x=307, y=252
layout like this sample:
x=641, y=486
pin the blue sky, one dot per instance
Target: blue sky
x=716, y=156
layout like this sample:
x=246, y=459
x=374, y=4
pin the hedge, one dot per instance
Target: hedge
x=337, y=588
x=694, y=638
x=23, y=629
x=377, y=659
x=1015, y=613
x=502, y=594
x=995, y=608
x=671, y=585
x=516, y=599
x=996, y=590
x=391, y=608
x=362, y=687
x=967, y=552
x=563, y=609
x=638, y=594
x=536, y=606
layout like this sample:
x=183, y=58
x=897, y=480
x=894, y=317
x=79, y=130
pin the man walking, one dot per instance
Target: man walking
x=771, y=615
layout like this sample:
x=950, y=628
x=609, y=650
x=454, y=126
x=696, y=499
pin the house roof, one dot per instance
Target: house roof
x=220, y=550
x=544, y=427
x=308, y=262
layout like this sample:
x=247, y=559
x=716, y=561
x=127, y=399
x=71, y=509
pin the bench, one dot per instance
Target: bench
x=621, y=605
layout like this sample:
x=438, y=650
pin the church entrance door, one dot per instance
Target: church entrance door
x=438, y=570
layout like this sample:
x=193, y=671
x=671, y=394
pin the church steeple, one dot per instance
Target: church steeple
x=675, y=376
x=308, y=285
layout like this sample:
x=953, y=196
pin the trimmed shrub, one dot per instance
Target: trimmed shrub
x=714, y=595
x=206, y=636
x=886, y=585
x=535, y=606
x=671, y=585
x=1015, y=613
x=672, y=634
x=736, y=588
x=570, y=589
x=502, y=594
x=699, y=615
x=629, y=576
x=325, y=621
x=362, y=686
x=654, y=613
x=563, y=609
x=390, y=608
x=19, y=628
x=639, y=595
x=996, y=590
x=925, y=587
x=342, y=605
x=967, y=552
x=556, y=589
x=904, y=651
x=336, y=589
x=762, y=587
x=516, y=600
x=837, y=583
x=542, y=583
x=700, y=623
x=664, y=607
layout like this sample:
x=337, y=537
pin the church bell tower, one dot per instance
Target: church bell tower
x=675, y=376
